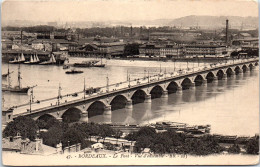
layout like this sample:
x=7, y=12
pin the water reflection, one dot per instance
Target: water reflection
x=220, y=104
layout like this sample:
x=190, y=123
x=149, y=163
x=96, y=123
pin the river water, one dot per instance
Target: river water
x=230, y=106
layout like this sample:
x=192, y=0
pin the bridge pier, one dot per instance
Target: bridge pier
x=204, y=82
x=129, y=104
x=84, y=116
x=179, y=90
x=148, y=98
x=107, y=114
x=192, y=85
x=165, y=94
x=232, y=74
x=240, y=72
x=59, y=119
x=224, y=77
x=215, y=80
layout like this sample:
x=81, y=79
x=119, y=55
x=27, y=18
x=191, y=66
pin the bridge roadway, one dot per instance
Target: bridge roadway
x=127, y=89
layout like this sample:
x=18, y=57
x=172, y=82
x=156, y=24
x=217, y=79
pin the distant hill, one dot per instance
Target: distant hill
x=215, y=21
x=208, y=22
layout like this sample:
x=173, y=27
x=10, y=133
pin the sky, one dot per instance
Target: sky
x=122, y=10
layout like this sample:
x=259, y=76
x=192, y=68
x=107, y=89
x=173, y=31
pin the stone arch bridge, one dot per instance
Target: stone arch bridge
x=105, y=103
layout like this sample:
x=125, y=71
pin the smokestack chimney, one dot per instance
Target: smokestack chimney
x=21, y=36
x=227, y=31
x=149, y=34
x=131, y=31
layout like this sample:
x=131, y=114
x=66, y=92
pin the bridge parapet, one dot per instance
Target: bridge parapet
x=146, y=86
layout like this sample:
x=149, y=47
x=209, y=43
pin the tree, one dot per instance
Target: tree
x=53, y=136
x=146, y=131
x=131, y=136
x=25, y=126
x=118, y=134
x=72, y=136
x=234, y=149
x=41, y=124
x=143, y=142
x=105, y=131
x=252, y=147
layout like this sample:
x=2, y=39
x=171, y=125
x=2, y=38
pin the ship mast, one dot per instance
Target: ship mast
x=107, y=83
x=59, y=94
x=8, y=79
x=84, y=89
x=19, y=77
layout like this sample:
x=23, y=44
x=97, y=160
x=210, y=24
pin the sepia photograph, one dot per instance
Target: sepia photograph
x=130, y=82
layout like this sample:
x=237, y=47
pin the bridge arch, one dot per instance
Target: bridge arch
x=118, y=102
x=210, y=77
x=186, y=83
x=220, y=74
x=172, y=87
x=45, y=117
x=229, y=72
x=250, y=66
x=237, y=70
x=138, y=96
x=244, y=68
x=72, y=114
x=156, y=92
x=96, y=108
x=198, y=80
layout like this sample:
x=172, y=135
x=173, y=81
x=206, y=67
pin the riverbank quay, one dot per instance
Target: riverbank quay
x=164, y=59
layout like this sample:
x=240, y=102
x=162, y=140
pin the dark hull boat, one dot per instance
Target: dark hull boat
x=90, y=63
x=50, y=62
x=33, y=60
x=4, y=75
x=74, y=72
x=15, y=89
x=99, y=65
x=19, y=60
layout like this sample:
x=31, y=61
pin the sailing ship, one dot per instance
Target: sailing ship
x=49, y=62
x=99, y=65
x=33, y=60
x=18, y=60
x=16, y=89
x=7, y=74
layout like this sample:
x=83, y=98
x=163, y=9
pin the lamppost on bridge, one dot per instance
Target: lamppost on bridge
x=127, y=75
x=165, y=73
x=129, y=81
x=84, y=89
x=174, y=66
x=32, y=93
x=3, y=101
x=107, y=83
x=148, y=77
x=193, y=66
x=59, y=94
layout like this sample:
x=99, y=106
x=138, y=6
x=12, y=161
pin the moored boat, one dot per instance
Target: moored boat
x=33, y=60
x=16, y=89
x=18, y=60
x=73, y=71
x=49, y=62
x=89, y=63
x=66, y=67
